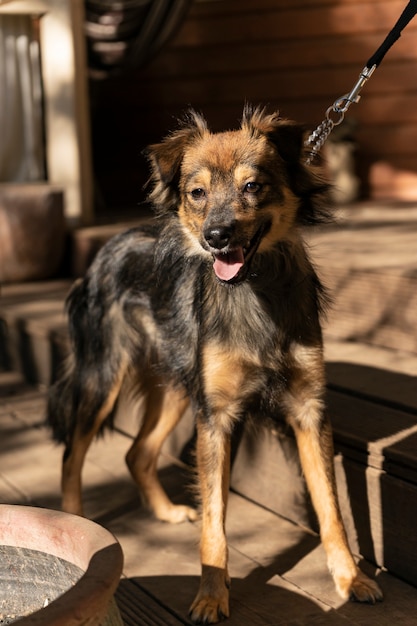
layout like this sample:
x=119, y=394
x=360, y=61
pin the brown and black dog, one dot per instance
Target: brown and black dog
x=215, y=304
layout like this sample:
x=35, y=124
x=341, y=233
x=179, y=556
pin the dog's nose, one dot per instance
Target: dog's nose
x=218, y=236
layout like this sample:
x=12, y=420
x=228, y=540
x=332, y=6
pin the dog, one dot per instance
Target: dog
x=214, y=305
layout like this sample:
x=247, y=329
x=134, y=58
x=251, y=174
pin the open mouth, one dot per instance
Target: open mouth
x=232, y=266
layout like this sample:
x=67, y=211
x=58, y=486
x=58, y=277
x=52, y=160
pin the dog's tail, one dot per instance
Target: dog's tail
x=59, y=409
x=91, y=372
x=61, y=405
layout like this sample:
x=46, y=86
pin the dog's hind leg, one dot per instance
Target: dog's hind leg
x=78, y=444
x=164, y=407
x=313, y=433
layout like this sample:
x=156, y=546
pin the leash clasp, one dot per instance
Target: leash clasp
x=342, y=104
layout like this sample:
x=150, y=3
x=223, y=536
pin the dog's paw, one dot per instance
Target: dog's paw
x=358, y=587
x=364, y=589
x=209, y=610
x=177, y=513
x=211, y=604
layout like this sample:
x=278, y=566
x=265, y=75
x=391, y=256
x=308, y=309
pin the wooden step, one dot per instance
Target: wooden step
x=86, y=241
x=33, y=329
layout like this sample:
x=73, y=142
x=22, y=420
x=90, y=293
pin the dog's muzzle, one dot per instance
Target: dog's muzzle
x=231, y=260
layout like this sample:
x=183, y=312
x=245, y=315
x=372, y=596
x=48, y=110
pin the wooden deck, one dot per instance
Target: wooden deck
x=278, y=568
x=277, y=564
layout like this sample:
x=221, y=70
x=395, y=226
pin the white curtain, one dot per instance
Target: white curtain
x=21, y=127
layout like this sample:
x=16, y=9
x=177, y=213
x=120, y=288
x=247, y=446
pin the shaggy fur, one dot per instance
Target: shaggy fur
x=215, y=304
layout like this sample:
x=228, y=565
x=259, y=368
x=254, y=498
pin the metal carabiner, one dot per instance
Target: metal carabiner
x=342, y=104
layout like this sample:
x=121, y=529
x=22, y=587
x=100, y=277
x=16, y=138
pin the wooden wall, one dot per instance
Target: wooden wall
x=294, y=55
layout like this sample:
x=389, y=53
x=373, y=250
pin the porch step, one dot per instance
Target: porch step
x=33, y=329
x=85, y=242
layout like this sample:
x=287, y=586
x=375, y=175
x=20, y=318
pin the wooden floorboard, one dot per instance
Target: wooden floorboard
x=138, y=607
x=278, y=569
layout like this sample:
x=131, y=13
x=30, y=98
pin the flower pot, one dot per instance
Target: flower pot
x=57, y=569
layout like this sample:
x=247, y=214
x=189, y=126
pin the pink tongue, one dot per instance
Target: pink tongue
x=226, y=266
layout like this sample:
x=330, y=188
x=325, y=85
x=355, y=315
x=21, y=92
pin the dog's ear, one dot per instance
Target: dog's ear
x=165, y=159
x=307, y=183
x=287, y=136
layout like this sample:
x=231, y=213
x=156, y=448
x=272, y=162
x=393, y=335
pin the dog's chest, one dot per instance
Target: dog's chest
x=240, y=319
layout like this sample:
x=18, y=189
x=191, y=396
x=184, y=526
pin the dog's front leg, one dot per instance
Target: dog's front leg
x=315, y=445
x=304, y=408
x=213, y=460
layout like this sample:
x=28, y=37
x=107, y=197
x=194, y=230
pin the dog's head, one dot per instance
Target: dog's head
x=237, y=193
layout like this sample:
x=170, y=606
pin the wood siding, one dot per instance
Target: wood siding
x=294, y=55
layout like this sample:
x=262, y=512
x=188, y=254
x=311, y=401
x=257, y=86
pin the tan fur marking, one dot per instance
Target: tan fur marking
x=164, y=409
x=226, y=381
x=304, y=399
x=245, y=173
x=199, y=178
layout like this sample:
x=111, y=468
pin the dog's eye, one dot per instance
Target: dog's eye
x=198, y=193
x=252, y=187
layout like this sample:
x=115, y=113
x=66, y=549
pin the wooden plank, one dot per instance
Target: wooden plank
x=10, y=382
x=138, y=607
x=266, y=86
x=373, y=112
x=394, y=138
x=276, y=55
x=399, y=512
x=361, y=427
x=384, y=509
x=371, y=371
x=238, y=6
x=22, y=448
x=20, y=292
x=372, y=440
x=288, y=23
x=365, y=426
x=401, y=460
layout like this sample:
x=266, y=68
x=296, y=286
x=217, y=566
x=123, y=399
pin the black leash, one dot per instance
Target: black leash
x=336, y=113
